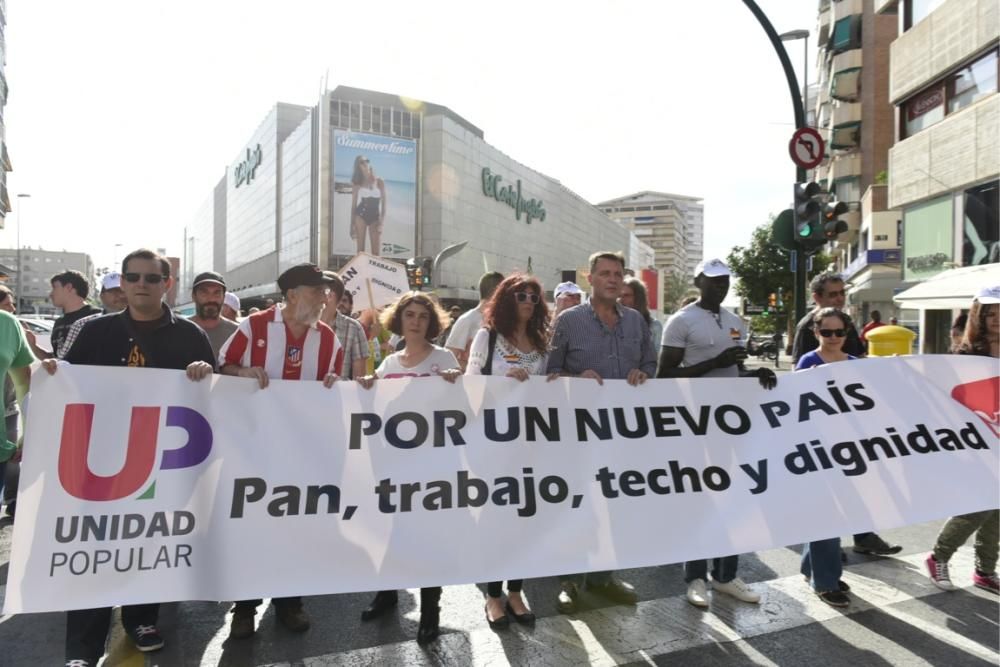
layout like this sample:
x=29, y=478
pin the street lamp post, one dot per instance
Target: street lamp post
x=20, y=277
x=800, y=257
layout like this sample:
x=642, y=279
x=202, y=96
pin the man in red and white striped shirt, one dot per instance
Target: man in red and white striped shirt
x=285, y=342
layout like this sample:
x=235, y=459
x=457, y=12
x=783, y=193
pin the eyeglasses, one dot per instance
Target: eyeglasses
x=148, y=278
x=826, y=333
x=842, y=292
x=523, y=297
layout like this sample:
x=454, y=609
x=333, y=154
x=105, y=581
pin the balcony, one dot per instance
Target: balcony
x=842, y=9
x=845, y=113
x=845, y=75
x=875, y=200
x=845, y=167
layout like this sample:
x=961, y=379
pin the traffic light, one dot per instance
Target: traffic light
x=832, y=227
x=412, y=277
x=426, y=264
x=810, y=210
x=772, y=301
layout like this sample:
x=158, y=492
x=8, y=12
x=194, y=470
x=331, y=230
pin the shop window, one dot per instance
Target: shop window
x=973, y=83
x=927, y=239
x=980, y=233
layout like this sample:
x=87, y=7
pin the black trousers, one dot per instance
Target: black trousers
x=495, y=588
x=87, y=629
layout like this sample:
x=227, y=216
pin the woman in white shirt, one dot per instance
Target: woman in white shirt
x=513, y=342
x=418, y=319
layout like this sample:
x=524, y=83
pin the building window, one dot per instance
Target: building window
x=980, y=233
x=846, y=34
x=915, y=11
x=923, y=110
x=968, y=84
x=973, y=83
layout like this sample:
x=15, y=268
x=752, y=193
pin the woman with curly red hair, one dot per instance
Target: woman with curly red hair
x=513, y=342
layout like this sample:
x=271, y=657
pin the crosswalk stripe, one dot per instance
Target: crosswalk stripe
x=620, y=635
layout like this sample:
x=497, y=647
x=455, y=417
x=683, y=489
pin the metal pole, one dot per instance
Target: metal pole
x=801, y=266
x=798, y=108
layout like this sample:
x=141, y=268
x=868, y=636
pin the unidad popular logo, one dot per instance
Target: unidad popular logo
x=81, y=482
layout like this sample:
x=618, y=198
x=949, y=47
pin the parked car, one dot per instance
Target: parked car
x=42, y=330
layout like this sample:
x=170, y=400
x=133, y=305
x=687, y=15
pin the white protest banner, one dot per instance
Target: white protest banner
x=374, y=282
x=226, y=491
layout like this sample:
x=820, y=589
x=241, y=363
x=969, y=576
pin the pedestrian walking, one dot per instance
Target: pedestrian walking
x=601, y=340
x=822, y=565
x=704, y=339
x=418, y=319
x=513, y=343
x=112, y=301
x=69, y=292
x=284, y=342
x=981, y=338
x=144, y=335
x=209, y=294
x=566, y=295
x=634, y=296
x=465, y=328
x=349, y=331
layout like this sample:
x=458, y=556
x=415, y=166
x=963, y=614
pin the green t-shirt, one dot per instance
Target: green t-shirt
x=14, y=350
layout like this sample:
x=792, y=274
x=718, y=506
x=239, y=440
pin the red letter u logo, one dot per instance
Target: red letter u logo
x=74, y=471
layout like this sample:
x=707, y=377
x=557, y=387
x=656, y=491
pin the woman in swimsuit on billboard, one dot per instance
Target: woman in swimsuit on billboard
x=368, y=205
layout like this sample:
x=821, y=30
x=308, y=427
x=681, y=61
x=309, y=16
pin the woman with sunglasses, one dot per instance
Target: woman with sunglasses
x=513, y=343
x=418, y=319
x=368, y=205
x=821, y=562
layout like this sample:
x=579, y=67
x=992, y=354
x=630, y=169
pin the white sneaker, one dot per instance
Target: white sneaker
x=697, y=594
x=738, y=589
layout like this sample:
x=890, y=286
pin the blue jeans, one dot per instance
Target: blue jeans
x=821, y=564
x=723, y=569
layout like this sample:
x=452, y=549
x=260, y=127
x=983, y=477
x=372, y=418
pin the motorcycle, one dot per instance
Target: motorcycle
x=762, y=348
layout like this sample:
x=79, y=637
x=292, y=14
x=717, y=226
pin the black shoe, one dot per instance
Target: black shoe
x=383, y=602
x=501, y=623
x=844, y=587
x=834, y=598
x=527, y=618
x=569, y=598
x=873, y=545
x=146, y=638
x=616, y=591
x=429, y=626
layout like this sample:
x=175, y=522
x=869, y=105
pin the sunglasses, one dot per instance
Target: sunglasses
x=523, y=297
x=148, y=278
x=826, y=333
x=842, y=292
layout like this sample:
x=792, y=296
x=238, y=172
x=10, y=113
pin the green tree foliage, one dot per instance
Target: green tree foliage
x=676, y=286
x=763, y=268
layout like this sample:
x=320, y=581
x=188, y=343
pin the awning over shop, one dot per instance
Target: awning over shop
x=949, y=289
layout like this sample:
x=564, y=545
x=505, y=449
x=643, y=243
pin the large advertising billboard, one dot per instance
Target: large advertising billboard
x=374, y=200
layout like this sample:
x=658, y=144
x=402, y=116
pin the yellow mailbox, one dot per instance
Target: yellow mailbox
x=888, y=340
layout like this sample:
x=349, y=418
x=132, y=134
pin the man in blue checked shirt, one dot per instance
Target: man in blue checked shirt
x=601, y=339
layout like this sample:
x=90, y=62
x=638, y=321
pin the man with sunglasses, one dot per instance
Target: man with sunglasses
x=145, y=334
x=285, y=342
x=828, y=292
x=69, y=292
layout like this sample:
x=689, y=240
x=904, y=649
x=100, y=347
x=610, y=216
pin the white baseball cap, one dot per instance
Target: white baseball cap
x=712, y=268
x=111, y=280
x=232, y=301
x=989, y=295
x=566, y=288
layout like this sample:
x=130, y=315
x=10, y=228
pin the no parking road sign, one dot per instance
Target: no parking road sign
x=806, y=148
